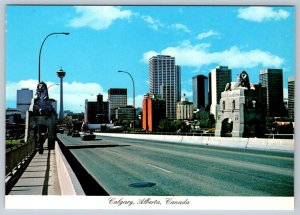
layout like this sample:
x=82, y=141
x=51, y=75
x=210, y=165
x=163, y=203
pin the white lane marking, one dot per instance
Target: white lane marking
x=157, y=167
x=149, y=164
x=115, y=152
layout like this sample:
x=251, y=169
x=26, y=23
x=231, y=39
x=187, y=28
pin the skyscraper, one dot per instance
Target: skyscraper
x=219, y=77
x=164, y=78
x=271, y=79
x=24, y=97
x=96, y=112
x=117, y=97
x=291, y=96
x=200, y=92
x=90, y=112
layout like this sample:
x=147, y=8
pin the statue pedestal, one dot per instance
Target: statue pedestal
x=240, y=113
x=33, y=121
x=41, y=118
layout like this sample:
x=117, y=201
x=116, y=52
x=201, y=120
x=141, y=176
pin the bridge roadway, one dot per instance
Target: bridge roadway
x=136, y=167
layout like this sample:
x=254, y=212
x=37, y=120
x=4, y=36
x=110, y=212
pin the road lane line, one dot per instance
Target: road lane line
x=114, y=152
x=157, y=167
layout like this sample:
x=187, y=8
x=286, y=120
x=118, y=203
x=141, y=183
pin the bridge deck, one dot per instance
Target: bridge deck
x=40, y=177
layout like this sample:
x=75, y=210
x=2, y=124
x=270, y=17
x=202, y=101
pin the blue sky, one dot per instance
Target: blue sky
x=104, y=40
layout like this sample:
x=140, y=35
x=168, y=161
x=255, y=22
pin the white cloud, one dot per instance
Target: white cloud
x=155, y=24
x=152, y=23
x=138, y=101
x=209, y=33
x=285, y=93
x=148, y=55
x=259, y=14
x=75, y=93
x=12, y=87
x=181, y=27
x=98, y=17
x=199, y=55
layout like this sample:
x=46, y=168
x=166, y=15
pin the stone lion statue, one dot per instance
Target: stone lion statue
x=41, y=92
x=242, y=81
x=41, y=104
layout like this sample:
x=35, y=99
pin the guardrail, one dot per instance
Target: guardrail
x=233, y=142
x=17, y=155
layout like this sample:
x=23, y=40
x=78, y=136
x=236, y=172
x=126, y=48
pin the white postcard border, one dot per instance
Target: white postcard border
x=261, y=204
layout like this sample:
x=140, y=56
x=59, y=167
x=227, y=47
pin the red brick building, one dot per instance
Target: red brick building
x=154, y=109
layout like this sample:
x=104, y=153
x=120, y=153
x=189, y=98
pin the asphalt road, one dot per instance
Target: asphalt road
x=135, y=167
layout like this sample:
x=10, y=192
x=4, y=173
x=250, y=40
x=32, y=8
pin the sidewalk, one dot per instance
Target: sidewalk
x=40, y=177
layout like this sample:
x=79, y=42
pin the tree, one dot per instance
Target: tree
x=164, y=125
x=184, y=127
x=176, y=125
x=173, y=126
x=211, y=121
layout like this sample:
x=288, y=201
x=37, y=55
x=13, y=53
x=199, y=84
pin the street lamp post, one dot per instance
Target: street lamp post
x=52, y=85
x=133, y=99
x=65, y=33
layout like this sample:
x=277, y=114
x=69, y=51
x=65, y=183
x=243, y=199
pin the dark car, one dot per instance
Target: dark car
x=76, y=134
x=88, y=136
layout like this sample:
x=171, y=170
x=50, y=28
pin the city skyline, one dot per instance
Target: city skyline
x=196, y=36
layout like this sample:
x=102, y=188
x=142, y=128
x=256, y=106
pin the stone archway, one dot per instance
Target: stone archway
x=47, y=123
x=226, y=128
x=40, y=136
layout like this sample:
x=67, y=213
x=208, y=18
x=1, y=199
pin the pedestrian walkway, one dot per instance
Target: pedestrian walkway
x=40, y=177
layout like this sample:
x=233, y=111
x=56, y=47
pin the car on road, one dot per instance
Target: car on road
x=88, y=136
x=75, y=134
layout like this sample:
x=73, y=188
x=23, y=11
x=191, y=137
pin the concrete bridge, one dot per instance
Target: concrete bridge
x=131, y=164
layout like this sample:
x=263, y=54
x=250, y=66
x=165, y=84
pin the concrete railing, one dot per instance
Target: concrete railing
x=235, y=142
x=68, y=181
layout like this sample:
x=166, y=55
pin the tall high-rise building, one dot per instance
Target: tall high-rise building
x=117, y=97
x=90, y=112
x=24, y=97
x=271, y=79
x=291, y=96
x=154, y=110
x=164, y=76
x=200, y=92
x=96, y=112
x=102, y=110
x=219, y=77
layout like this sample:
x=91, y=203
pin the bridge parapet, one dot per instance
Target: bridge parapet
x=68, y=181
x=235, y=142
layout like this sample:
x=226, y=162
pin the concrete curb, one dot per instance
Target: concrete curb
x=68, y=181
x=234, y=142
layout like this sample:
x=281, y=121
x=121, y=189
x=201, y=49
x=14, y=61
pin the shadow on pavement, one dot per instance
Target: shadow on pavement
x=90, y=186
x=93, y=146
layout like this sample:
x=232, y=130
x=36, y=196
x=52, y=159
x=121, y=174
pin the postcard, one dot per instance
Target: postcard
x=187, y=107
